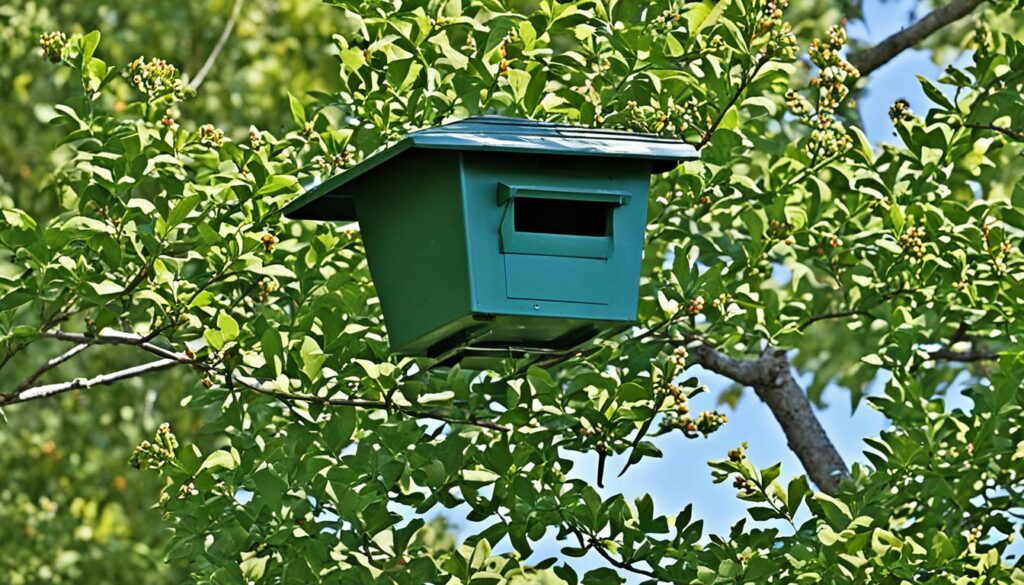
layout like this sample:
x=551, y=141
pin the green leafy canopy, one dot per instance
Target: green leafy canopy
x=315, y=455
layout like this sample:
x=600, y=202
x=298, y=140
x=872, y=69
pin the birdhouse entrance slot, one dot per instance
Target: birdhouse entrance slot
x=562, y=216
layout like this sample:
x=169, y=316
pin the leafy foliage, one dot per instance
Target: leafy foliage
x=319, y=454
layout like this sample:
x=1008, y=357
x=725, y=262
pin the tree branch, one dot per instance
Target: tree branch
x=110, y=337
x=962, y=356
x=258, y=386
x=229, y=26
x=867, y=60
x=52, y=363
x=1008, y=132
x=772, y=380
x=47, y=390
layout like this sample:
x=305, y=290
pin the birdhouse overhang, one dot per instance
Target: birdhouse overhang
x=333, y=199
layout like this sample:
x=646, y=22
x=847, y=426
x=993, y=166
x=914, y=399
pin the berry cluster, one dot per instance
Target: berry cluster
x=269, y=242
x=828, y=137
x=1000, y=253
x=669, y=20
x=706, y=423
x=781, y=40
x=973, y=536
x=187, y=489
x=678, y=399
x=332, y=163
x=54, y=45
x=255, y=137
x=720, y=302
x=913, y=241
x=900, y=112
x=710, y=421
x=674, y=120
x=742, y=486
x=739, y=453
x=781, y=230
x=211, y=136
x=679, y=356
x=155, y=79
x=696, y=306
x=798, y=104
x=156, y=454
x=266, y=287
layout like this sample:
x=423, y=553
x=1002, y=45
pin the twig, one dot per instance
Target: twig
x=593, y=544
x=48, y=390
x=109, y=337
x=1009, y=132
x=764, y=59
x=229, y=26
x=258, y=386
x=852, y=312
x=872, y=58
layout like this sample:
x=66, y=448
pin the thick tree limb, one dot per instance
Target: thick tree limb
x=772, y=380
x=872, y=58
x=47, y=390
x=229, y=26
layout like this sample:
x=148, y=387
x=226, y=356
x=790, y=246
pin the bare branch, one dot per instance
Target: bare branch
x=772, y=380
x=111, y=337
x=229, y=26
x=52, y=363
x=47, y=390
x=867, y=60
x=262, y=388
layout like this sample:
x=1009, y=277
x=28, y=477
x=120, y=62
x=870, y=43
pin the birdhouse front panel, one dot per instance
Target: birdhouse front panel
x=560, y=235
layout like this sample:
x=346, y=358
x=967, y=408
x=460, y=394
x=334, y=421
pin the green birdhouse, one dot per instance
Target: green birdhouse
x=493, y=237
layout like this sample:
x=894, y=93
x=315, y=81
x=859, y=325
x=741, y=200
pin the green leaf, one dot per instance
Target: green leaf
x=254, y=567
x=942, y=550
x=220, y=459
x=88, y=46
x=519, y=81
x=228, y=326
x=312, y=358
x=602, y=576
x=298, y=112
x=180, y=211
x=278, y=184
x=935, y=94
x=455, y=58
x=19, y=219
x=107, y=287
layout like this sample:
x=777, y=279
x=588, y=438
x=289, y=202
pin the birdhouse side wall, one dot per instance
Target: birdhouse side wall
x=412, y=223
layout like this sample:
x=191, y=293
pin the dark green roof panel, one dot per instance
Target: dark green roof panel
x=499, y=134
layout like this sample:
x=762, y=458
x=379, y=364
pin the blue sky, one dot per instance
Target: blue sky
x=682, y=476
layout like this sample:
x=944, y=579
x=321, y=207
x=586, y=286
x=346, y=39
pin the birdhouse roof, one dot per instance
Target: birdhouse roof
x=502, y=134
